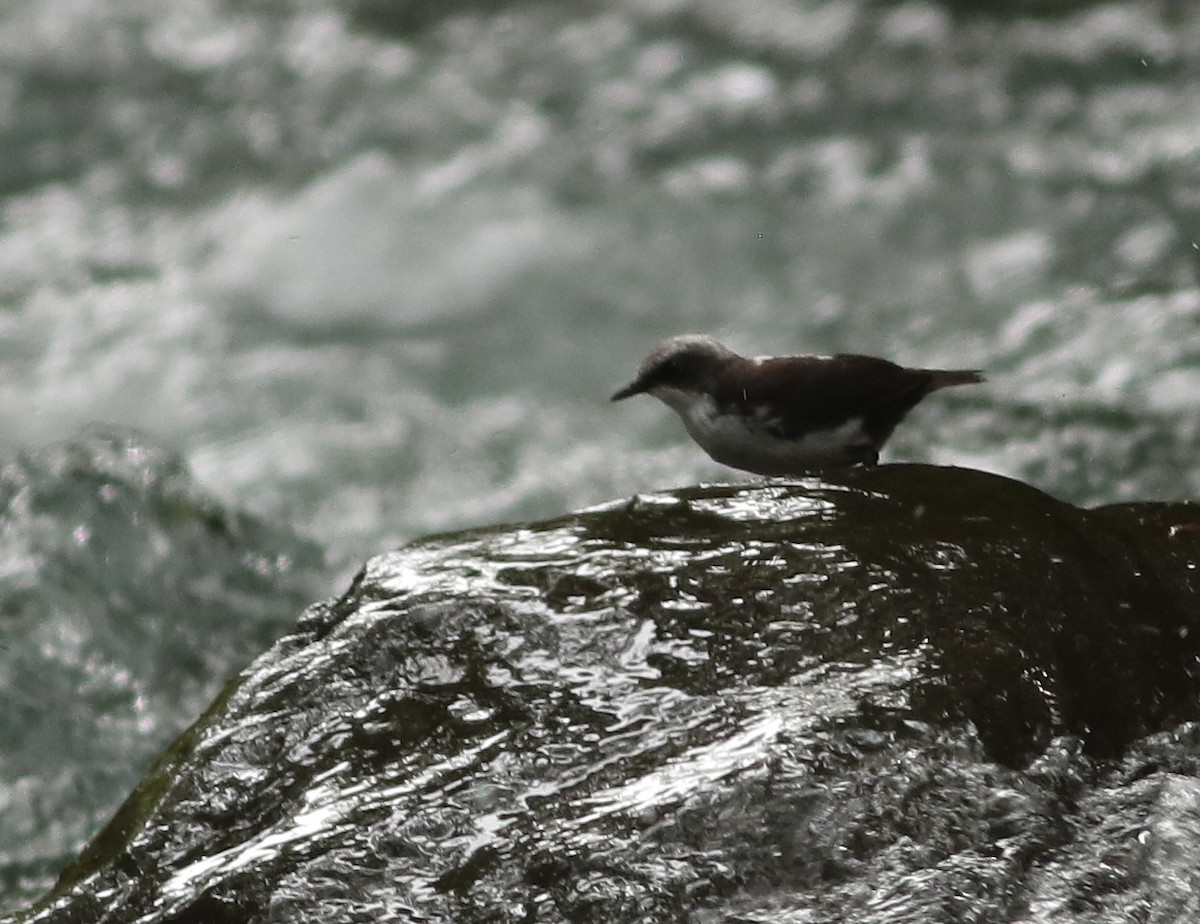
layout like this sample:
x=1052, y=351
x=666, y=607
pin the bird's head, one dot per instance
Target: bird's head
x=678, y=369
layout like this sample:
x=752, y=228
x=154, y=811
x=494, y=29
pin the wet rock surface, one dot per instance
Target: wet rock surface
x=909, y=693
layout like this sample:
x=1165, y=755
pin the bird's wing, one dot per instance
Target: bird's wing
x=824, y=392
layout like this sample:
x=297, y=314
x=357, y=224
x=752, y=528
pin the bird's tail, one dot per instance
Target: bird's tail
x=945, y=378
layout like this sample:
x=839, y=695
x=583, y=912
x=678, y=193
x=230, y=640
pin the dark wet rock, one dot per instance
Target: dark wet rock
x=905, y=694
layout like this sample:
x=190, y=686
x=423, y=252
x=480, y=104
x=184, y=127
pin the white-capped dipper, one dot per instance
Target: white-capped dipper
x=785, y=415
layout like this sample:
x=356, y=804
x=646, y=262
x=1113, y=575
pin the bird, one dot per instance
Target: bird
x=785, y=415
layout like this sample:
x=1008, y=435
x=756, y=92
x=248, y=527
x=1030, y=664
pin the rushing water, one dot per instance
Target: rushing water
x=372, y=272
x=375, y=281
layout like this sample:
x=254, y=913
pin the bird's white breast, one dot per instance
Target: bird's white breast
x=733, y=440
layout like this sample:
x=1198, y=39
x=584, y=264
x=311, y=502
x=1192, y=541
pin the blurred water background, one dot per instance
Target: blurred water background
x=368, y=270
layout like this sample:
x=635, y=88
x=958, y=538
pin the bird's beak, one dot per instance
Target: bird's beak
x=633, y=388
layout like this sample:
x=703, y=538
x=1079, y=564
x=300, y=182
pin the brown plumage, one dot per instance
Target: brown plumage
x=789, y=414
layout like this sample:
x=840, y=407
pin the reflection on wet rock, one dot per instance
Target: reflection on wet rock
x=901, y=694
